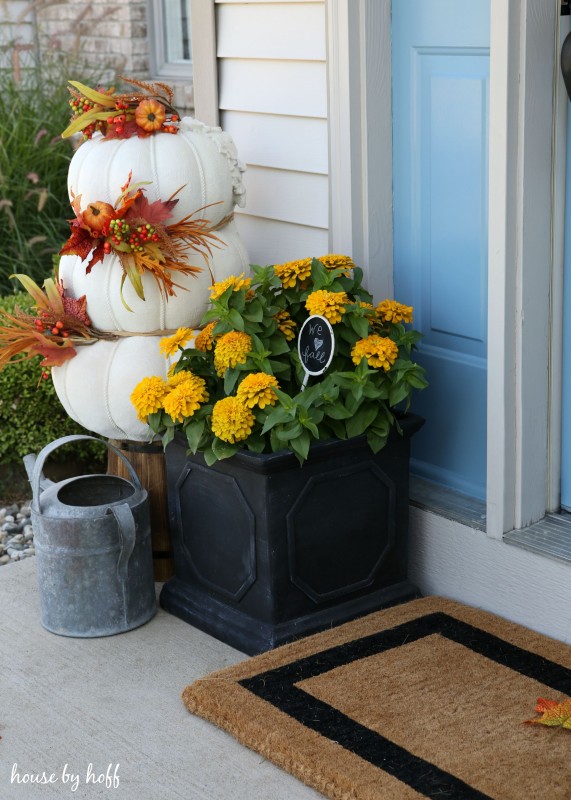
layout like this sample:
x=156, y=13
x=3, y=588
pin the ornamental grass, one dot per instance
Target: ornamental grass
x=241, y=384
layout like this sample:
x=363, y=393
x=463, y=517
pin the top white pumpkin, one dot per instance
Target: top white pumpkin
x=201, y=160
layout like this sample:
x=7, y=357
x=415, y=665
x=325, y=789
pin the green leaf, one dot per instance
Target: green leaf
x=364, y=418
x=376, y=441
x=416, y=381
x=221, y=327
x=194, y=431
x=398, y=393
x=254, y=311
x=256, y=444
x=360, y=325
x=300, y=446
x=154, y=421
x=277, y=367
x=338, y=428
x=289, y=432
x=209, y=456
x=275, y=443
x=311, y=427
x=230, y=377
x=357, y=392
x=168, y=436
x=224, y=449
x=277, y=416
x=279, y=345
x=337, y=411
x=236, y=319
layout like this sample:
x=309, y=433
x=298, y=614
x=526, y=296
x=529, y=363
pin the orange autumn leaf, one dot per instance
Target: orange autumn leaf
x=553, y=714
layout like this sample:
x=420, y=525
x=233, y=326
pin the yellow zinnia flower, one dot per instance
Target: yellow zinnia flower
x=185, y=397
x=232, y=421
x=380, y=351
x=286, y=325
x=231, y=349
x=170, y=344
x=391, y=311
x=147, y=396
x=204, y=340
x=174, y=378
x=335, y=261
x=256, y=390
x=237, y=282
x=293, y=271
x=330, y=305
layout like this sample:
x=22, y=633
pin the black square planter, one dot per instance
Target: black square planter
x=266, y=551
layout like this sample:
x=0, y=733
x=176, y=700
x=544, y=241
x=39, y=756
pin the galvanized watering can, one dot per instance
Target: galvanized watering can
x=93, y=549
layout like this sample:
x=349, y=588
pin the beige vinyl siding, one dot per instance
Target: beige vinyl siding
x=273, y=102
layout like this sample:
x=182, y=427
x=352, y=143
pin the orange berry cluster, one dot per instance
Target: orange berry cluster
x=43, y=325
x=171, y=128
x=118, y=121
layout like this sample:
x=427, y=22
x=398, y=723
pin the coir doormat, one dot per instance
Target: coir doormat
x=427, y=699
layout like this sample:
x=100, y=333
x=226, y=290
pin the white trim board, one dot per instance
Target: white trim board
x=462, y=563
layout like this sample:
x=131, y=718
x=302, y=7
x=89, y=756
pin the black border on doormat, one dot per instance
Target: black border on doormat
x=277, y=686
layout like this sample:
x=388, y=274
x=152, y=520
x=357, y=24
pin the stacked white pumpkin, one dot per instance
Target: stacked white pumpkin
x=95, y=386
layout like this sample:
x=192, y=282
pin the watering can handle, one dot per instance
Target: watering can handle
x=36, y=477
x=128, y=533
x=126, y=523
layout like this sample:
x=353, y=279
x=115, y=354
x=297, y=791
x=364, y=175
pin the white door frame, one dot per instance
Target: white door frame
x=523, y=69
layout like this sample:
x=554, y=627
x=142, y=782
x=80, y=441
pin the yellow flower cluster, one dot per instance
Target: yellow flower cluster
x=391, y=311
x=147, y=396
x=293, y=271
x=380, y=351
x=186, y=392
x=257, y=389
x=286, y=325
x=237, y=283
x=204, y=340
x=231, y=349
x=180, y=396
x=231, y=420
x=170, y=344
x=330, y=305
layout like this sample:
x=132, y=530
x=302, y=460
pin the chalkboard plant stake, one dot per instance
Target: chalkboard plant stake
x=315, y=346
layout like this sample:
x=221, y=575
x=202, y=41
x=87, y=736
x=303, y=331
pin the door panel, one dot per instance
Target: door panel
x=440, y=186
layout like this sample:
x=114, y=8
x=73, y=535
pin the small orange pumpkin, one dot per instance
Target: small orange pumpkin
x=97, y=217
x=150, y=115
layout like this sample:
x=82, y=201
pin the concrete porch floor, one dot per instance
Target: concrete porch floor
x=114, y=703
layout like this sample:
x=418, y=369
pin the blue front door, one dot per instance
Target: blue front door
x=440, y=67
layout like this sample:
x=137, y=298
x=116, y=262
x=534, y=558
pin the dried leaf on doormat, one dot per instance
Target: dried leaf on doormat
x=553, y=714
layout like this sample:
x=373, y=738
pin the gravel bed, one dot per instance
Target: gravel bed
x=16, y=534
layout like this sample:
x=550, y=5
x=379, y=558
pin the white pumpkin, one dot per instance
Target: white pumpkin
x=103, y=284
x=200, y=159
x=95, y=386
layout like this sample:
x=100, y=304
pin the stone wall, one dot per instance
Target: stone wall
x=109, y=36
x=104, y=38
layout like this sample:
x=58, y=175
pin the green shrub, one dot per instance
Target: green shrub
x=31, y=414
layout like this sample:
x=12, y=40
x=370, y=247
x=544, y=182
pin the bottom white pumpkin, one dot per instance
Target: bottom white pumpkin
x=95, y=386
